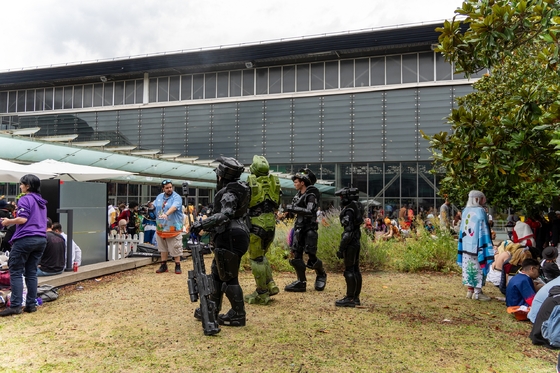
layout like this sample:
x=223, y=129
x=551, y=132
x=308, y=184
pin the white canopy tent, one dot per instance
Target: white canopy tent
x=75, y=172
x=11, y=172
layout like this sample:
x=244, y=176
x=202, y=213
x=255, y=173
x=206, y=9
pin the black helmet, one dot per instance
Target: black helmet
x=305, y=175
x=229, y=169
x=348, y=194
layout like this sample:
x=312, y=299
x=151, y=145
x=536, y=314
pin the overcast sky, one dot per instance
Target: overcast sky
x=50, y=32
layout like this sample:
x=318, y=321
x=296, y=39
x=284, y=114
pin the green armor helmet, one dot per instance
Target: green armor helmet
x=260, y=166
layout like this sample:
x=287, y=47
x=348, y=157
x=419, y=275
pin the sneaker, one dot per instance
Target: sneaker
x=11, y=311
x=481, y=297
x=162, y=268
x=296, y=286
x=469, y=294
x=30, y=309
x=177, y=269
x=347, y=302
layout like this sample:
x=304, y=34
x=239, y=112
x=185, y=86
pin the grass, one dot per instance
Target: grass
x=137, y=321
x=414, y=318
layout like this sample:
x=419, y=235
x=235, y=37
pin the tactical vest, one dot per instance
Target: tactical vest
x=358, y=212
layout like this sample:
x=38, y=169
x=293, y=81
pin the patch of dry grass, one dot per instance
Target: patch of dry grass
x=138, y=321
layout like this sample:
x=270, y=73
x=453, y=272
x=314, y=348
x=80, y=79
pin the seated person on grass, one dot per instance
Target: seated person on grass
x=522, y=288
x=549, y=267
x=540, y=297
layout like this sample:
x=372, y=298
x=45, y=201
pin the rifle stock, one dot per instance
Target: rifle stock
x=201, y=286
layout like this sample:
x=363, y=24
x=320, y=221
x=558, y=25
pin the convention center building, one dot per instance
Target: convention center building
x=349, y=105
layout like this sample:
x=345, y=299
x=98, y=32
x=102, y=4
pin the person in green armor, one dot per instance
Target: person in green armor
x=265, y=199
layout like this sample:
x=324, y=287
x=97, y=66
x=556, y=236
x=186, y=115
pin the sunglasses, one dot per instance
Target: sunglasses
x=165, y=182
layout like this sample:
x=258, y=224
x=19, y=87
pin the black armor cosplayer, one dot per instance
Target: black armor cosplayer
x=351, y=219
x=304, y=205
x=230, y=237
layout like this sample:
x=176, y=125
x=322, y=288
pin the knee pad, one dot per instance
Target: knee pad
x=227, y=264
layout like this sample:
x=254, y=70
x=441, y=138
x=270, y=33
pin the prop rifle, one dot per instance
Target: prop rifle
x=201, y=285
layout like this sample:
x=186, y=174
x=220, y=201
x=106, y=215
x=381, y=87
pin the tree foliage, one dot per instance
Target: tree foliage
x=504, y=134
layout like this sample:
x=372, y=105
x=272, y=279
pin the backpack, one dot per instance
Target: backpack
x=48, y=293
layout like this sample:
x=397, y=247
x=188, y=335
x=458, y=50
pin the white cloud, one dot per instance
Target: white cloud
x=42, y=33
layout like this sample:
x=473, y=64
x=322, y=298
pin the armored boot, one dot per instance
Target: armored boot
x=301, y=283
x=321, y=279
x=270, y=284
x=236, y=315
x=358, y=276
x=351, y=285
x=261, y=294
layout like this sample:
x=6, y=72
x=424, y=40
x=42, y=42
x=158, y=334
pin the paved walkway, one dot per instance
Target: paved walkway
x=95, y=270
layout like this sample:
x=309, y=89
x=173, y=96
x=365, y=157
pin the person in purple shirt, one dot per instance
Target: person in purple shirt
x=28, y=243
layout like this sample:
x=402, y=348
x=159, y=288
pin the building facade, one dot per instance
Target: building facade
x=349, y=106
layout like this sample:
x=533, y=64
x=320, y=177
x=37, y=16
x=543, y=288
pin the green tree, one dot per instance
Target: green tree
x=504, y=133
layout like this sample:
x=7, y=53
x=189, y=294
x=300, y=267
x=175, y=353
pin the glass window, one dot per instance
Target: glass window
x=288, y=79
x=21, y=101
x=77, y=97
x=426, y=71
x=152, y=94
x=275, y=80
x=98, y=94
x=163, y=89
x=375, y=174
x=30, y=100
x=302, y=78
x=129, y=92
x=248, y=82
x=107, y=94
x=186, y=87
x=210, y=85
x=346, y=73
x=362, y=72
x=155, y=190
x=39, y=100
x=198, y=86
x=139, y=91
x=409, y=184
x=392, y=179
x=12, y=101
x=67, y=100
x=393, y=69
x=49, y=98
x=88, y=95
x=119, y=93
x=235, y=83
x=133, y=191
x=122, y=190
x=443, y=68
x=317, y=76
x=4, y=102
x=331, y=75
x=58, y=98
x=174, y=86
x=262, y=81
x=223, y=84
x=409, y=67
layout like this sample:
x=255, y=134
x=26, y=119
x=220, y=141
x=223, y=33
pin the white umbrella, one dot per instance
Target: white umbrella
x=11, y=172
x=75, y=172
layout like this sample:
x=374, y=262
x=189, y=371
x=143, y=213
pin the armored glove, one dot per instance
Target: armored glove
x=340, y=254
x=196, y=227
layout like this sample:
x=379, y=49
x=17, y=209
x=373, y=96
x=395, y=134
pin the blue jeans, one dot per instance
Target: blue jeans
x=24, y=257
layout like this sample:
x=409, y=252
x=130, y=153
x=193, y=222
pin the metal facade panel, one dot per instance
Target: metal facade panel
x=174, y=130
x=337, y=128
x=368, y=127
x=199, y=137
x=151, y=128
x=278, y=131
x=251, y=121
x=401, y=130
x=224, y=130
x=434, y=105
x=307, y=124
